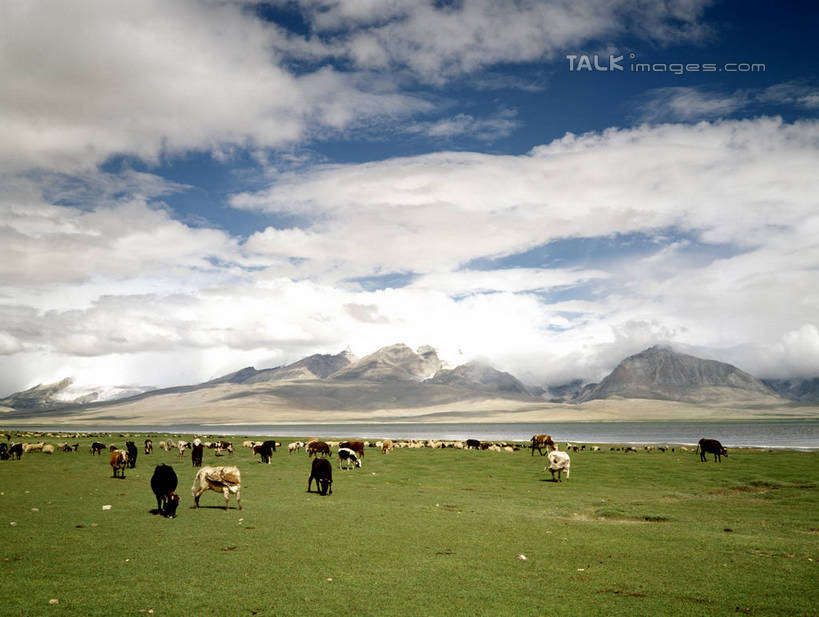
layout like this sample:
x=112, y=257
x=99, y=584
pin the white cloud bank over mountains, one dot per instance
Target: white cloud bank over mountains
x=730, y=268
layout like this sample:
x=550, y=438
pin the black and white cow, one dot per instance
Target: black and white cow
x=347, y=457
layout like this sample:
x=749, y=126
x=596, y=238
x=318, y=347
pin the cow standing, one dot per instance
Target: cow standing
x=131, y=448
x=119, y=460
x=196, y=453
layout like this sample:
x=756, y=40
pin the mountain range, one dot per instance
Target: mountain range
x=398, y=377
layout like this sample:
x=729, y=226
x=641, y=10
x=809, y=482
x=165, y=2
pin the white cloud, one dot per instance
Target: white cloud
x=437, y=43
x=86, y=80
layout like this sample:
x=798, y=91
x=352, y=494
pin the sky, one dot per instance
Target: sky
x=191, y=187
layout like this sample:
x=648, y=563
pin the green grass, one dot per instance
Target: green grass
x=417, y=532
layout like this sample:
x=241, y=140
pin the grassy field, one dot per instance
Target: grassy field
x=416, y=532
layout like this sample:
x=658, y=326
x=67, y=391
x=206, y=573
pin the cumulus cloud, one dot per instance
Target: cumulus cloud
x=88, y=80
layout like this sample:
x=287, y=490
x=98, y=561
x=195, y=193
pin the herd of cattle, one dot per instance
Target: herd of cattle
x=227, y=479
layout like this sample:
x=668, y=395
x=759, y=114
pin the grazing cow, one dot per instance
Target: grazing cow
x=119, y=460
x=318, y=447
x=558, y=461
x=347, y=456
x=220, y=446
x=542, y=441
x=322, y=472
x=294, y=446
x=225, y=480
x=149, y=446
x=16, y=450
x=265, y=450
x=711, y=446
x=386, y=446
x=355, y=446
x=130, y=446
x=196, y=453
x=163, y=483
x=97, y=447
x=473, y=444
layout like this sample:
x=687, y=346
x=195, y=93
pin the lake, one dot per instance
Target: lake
x=801, y=434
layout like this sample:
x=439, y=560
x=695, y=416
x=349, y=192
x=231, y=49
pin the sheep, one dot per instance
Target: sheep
x=48, y=449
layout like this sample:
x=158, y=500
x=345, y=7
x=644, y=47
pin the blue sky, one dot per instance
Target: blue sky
x=196, y=187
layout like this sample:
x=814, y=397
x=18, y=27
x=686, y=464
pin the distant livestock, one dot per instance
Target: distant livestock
x=386, y=446
x=347, y=457
x=711, y=446
x=318, y=447
x=473, y=444
x=265, y=450
x=355, y=446
x=163, y=484
x=225, y=480
x=119, y=460
x=322, y=472
x=149, y=446
x=16, y=451
x=48, y=449
x=294, y=446
x=542, y=441
x=558, y=462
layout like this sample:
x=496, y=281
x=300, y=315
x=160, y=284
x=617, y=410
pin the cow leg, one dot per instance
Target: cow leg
x=226, y=493
x=239, y=499
x=309, y=482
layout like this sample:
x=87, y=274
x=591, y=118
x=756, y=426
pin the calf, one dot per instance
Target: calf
x=119, y=460
x=130, y=446
x=97, y=447
x=163, y=484
x=226, y=480
x=712, y=446
x=322, y=472
x=347, y=456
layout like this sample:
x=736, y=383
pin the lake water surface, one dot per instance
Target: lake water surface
x=799, y=434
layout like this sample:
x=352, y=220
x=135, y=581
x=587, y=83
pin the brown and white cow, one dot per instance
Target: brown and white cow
x=542, y=441
x=355, y=446
x=119, y=460
x=225, y=480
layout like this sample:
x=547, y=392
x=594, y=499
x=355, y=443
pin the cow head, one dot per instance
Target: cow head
x=171, y=504
x=324, y=485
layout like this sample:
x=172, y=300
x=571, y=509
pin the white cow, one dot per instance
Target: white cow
x=558, y=461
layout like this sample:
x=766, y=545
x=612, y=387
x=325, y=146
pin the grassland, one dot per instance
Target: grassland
x=417, y=532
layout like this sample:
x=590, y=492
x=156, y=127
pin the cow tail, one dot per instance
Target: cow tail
x=195, y=478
